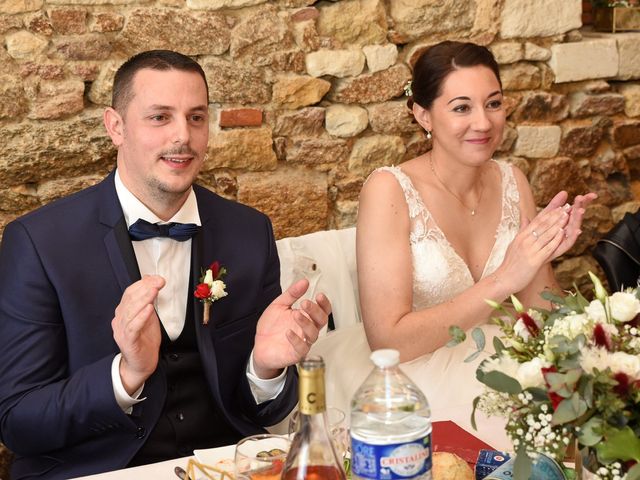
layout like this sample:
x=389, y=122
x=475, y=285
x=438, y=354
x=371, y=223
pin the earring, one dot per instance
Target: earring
x=428, y=135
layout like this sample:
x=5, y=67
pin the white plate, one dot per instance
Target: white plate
x=211, y=456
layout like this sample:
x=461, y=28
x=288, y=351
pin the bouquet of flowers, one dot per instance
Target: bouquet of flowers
x=570, y=373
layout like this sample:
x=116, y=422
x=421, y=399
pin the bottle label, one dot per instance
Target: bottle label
x=391, y=461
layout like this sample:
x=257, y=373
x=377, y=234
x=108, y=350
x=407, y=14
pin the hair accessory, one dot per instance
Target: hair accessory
x=408, y=92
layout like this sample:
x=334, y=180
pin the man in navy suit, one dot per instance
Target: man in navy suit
x=105, y=361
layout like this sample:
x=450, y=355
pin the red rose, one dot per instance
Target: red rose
x=215, y=269
x=601, y=337
x=624, y=383
x=530, y=323
x=553, y=396
x=202, y=291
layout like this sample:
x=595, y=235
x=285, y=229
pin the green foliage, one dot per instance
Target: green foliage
x=569, y=410
x=457, y=336
x=591, y=432
x=619, y=444
x=523, y=465
x=500, y=382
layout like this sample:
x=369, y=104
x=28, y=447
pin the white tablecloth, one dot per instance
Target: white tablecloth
x=490, y=430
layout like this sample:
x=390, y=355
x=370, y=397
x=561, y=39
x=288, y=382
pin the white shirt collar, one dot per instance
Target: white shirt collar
x=134, y=209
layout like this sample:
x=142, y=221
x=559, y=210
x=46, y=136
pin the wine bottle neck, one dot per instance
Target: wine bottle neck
x=311, y=392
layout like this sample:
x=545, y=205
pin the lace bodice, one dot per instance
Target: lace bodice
x=439, y=273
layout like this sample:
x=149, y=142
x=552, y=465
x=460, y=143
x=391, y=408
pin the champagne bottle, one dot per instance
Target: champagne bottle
x=312, y=455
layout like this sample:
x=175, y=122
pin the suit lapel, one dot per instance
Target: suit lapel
x=117, y=242
x=202, y=246
x=196, y=265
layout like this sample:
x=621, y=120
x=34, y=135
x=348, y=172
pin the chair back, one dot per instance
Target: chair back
x=328, y=260
x=618, y=252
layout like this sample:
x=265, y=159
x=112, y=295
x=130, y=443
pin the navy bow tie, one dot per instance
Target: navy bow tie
x=142, y=230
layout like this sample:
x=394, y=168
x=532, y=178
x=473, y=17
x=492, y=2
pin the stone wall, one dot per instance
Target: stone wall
x=306, y=98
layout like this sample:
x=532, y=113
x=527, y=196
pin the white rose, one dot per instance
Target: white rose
x=218, y=289
x=571, y=326
x=592, y=358
x=208, y=278
x=530, y=374
x=504, y=364
x=521, y=330
x=625, y=363
x=624, y=306
x=595, y=310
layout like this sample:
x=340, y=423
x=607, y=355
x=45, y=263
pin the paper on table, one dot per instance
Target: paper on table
x=450, y=437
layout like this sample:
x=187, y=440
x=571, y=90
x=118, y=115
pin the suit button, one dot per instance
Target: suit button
x=141, y=432
x=180, y=417
x=174, y=357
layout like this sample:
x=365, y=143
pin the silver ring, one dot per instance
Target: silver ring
x=535, y=234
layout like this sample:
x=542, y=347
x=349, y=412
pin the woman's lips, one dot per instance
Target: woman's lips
x=479, y=141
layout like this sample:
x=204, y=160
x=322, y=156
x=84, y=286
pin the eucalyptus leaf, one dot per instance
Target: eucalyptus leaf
x=569, y=410
x=457, y=336
x=498, y=345
x=538, y=394
x=552, y=297
x=583, y=302
x=591, y=432
x=585, y=388
x=478, y=336
x=501, y=382
x=619, y=444
x=523, y=465
x=472, y=357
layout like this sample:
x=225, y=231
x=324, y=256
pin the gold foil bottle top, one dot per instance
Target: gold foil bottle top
x=311, y=386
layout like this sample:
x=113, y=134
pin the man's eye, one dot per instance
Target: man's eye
x=197, y=118
x=158, y=118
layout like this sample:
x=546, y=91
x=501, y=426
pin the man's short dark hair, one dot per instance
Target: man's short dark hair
x=122, y=92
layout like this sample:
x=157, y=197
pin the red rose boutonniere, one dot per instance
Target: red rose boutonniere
x=211, y=288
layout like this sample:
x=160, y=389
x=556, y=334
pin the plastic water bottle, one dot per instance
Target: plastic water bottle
x=390, y=424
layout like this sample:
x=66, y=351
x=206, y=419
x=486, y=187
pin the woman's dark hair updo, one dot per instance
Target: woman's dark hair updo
x=438, y=61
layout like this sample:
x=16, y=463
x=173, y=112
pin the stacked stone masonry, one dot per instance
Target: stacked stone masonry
x=306, y=98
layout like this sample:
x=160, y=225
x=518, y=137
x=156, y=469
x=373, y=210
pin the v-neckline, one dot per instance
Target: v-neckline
x=437, y=228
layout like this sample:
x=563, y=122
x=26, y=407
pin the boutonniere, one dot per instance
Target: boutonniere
x=211, y=288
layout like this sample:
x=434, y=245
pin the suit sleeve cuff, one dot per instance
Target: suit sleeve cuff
x=264, y=390
x=123, y=399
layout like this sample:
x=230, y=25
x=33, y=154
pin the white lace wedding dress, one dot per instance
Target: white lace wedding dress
x=439, y=274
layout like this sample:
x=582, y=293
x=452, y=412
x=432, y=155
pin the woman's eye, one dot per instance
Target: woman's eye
x=461, y=108
x=495, y=104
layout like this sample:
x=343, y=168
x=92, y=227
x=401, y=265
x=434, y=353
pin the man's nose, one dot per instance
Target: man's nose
x=181, y=134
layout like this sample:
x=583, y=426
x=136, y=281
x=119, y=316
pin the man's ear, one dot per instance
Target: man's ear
x=115, y=125
x=422, y=116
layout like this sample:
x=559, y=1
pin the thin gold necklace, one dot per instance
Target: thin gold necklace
x=444, y=185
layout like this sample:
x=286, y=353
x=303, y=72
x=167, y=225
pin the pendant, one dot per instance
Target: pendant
x=473, y=212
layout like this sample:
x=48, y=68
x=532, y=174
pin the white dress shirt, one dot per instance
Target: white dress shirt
x=172, y=260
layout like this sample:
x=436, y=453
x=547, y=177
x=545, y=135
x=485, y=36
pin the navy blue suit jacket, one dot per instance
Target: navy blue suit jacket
x=63, y=270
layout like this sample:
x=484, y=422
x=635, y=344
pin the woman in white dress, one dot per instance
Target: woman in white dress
x=439, y=234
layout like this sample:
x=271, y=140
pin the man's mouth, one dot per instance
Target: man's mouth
x=177, y=160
